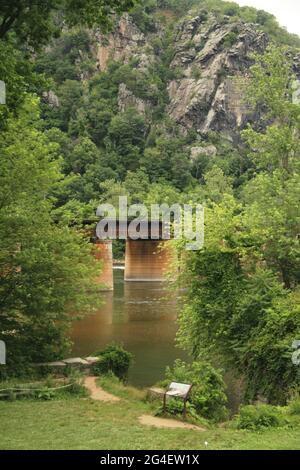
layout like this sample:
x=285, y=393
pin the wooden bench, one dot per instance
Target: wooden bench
x=178, y=390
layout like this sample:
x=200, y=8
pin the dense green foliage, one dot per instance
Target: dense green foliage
x=243, y=288
x=260, y=417
x=114, y=359
x=294, y=405
x=36, y=22
x=207, y=397
x=74, y=147
x=47, y=271
x=143, y=15
x=98, y=142
x=101, y=145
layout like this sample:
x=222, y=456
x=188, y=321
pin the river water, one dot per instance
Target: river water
x=141, y=316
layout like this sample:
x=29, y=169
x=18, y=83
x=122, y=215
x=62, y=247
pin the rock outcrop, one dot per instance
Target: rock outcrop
x=51, y=98
x=126, y=100
x=125, y=43
x=214, y=59
x=208, y=151
x=211, y=59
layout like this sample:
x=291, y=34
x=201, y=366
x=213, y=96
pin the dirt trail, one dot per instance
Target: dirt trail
x=148, y=420
x=97, y=393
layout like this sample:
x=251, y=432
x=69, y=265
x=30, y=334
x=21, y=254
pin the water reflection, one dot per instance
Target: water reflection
x=140, y=315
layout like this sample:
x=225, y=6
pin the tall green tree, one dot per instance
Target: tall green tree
x=47, y=273
x=37, y=21
x=241, y=303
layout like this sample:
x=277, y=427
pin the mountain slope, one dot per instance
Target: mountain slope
x=164, y=93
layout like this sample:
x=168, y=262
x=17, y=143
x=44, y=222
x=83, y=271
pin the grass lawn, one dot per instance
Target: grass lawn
x=81, y=423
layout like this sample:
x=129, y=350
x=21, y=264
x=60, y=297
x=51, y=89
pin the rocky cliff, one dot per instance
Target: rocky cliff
x=211, y=59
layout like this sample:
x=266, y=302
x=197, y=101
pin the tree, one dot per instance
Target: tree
x=168, y=160
x=35, y=22
x=242, y=289
x=271, y=87
x=271, y=216
x=271, y=224
x=18, y=75
x=125, y=141
x=267, y=357
x=26, y=26
x=47, y=271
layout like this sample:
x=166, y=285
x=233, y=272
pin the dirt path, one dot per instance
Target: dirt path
x=97, y=393
x=148, y=420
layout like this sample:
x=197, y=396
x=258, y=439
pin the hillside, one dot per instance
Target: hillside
x=186, y=102
x=163, y=94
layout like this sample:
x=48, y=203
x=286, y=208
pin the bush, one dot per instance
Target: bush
x=294, y=405
x=110, y=383
x=114, y=359
x=207, y=396
x=46, y=389
x=175, y=407
x=196, y=73
x=230, y=39
x=259, y=417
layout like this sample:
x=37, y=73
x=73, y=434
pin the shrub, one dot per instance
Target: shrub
x=196, y=73
x=294, y=405
x=114, y=359
x=55, y=392
x=175, y=407
x=231, y=9
x=117, y=387
x=207, y=396
x=45, y=394
x=230, y=39
x=48, y=388
x=259, y=417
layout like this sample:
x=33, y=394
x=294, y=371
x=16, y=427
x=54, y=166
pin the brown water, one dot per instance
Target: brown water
x=142, y=316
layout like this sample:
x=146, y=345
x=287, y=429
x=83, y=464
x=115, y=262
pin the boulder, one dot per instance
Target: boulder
x=92, y=360
x=209, y=151
x=76, y=361
x=53, y=364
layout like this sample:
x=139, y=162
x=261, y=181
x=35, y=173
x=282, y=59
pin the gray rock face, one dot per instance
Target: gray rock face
x=125, y=43
x=213, y=59
x=51, y=98
x=126, y=100
x=209, y=151
x=212, y=56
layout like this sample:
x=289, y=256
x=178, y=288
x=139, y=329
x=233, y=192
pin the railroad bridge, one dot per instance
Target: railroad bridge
x=146, y=257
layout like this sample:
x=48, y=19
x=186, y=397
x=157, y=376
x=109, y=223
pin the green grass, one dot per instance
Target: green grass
x=80, y=423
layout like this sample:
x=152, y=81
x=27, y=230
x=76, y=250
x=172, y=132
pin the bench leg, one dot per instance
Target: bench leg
x=184, y=409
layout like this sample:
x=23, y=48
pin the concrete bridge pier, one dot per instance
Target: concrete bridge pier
x=105, y=256
x=146, y=260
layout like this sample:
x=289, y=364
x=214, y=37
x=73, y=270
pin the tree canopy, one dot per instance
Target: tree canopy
x=243, y=287
x=35, y=22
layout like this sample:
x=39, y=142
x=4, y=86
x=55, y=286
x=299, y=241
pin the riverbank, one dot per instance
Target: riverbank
x=84, y=423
